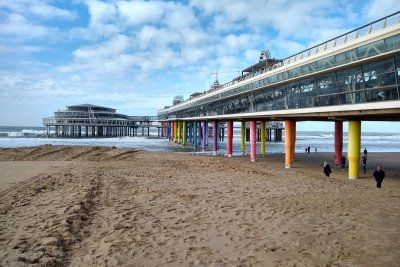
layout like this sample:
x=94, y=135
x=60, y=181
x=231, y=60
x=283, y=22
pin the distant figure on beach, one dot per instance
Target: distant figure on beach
x=364, y=164
x=308, y=149
x=343, y=162
x=365, y=152
x=315, y=150
x=327, y=169
x=379, y=174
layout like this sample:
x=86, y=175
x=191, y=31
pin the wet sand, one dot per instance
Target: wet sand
x=107, y=206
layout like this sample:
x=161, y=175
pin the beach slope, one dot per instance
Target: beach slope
x=108, y=206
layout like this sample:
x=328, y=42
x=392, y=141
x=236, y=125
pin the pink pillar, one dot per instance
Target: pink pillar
x=229, y=144
x=215, y=136
x=253, y=140
x=338, y=142
x=199, y=133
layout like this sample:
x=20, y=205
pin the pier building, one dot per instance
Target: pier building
x=353, y=77
x=88, y=120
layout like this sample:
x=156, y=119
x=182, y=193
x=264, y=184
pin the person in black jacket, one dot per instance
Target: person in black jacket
x=343, y=162
x=364, y=164
x=327, y=169
x=379, y=174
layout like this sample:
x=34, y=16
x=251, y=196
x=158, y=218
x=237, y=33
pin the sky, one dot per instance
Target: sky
x=137, y=55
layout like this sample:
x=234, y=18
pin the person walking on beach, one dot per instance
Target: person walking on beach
x=364, y=164
x=343, y=162
x=365, y=152
x=327, y=169
x=379, y=174
x=315, y=150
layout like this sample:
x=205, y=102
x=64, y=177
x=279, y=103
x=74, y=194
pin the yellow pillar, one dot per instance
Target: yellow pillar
x=184, y=133
x=243, y=135
x=176, y=131
x=353, y=149
x=262, y=138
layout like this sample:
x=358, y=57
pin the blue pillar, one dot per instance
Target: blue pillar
x=204, y=139
x=190, y=131
x=195, y=142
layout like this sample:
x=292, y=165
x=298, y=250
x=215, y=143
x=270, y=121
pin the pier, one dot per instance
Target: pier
x=351, y=78
x=86, y=120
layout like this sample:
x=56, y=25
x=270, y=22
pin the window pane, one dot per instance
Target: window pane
x=382, y=94
x=393, y=43
x=352, y=98
x=328, y=100
x=372, y=49
x=327, y=84
x=349, y=80
x=326, y=63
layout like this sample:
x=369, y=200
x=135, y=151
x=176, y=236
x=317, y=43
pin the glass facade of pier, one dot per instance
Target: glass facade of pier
x=362, y=83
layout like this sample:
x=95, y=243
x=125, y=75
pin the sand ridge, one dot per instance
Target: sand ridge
x=111, y=206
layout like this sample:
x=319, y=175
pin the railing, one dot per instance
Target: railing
x=362, y=31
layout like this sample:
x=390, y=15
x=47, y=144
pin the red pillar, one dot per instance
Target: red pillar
x=230, y=138
x=338, y=142
x=253, y=140
x=199, y=133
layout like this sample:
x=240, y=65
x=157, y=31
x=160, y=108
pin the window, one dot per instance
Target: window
x=372, y=49
x=327, y=84
x=392, y=43
x=326, y=63
x=379, y=74
x=350, y=80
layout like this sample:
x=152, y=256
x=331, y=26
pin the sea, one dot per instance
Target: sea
x=20, y=136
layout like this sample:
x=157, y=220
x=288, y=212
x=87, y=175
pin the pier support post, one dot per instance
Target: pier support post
x=184, y=133
x=79, y=131
x=338, y=142
x=195, y=134
x=288, y=143
x=229, y=144
x=294, y=139
x=253, y=140
x=263, y=139
x=200, y=133
x=179, y=132
x=204, y=128
x=86, y=131
x=353, y=150
x=215, y=136
x=243, y=137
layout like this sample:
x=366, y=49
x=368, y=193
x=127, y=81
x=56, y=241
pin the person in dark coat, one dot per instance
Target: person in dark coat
x=343, y=162
x=364, y=164
x=365, y=152
x=327, y=169
x=379, y=174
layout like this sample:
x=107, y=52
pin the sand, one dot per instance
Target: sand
x=85, y=206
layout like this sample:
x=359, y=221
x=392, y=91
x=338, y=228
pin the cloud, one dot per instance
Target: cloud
x=18, y=26
x=38, y=8
x=139, y=12
x=379, y=8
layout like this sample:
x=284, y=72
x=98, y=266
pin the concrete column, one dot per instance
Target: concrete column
x=215, y=136
x=294, y=139
x=338, y=142
x=204, y=144
x=288, y=143
x=148, y=131
x=243, y=137
x=353, y=149
x=184, y=133
x=200, y=133
x=253, y=140
x=195, y=134
x=79, y=131
x=263, y=139
x=229, y=144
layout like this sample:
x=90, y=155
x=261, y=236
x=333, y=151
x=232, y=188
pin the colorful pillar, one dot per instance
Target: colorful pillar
x=243, y=137
x=353, y=150
x=199, y=133
x=230, y=138
x=184, y=133
x=253, y=140
x=204, y=128
x=294, y=139
x=288, y=143
x=215, y=136
x=172, y=131
x=338, y=142
x=195, y=134
x=263, y=138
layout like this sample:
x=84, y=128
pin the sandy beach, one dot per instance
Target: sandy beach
x=96, y=206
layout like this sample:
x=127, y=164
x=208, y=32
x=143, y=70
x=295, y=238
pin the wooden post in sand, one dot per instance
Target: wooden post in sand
x=288, y=143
